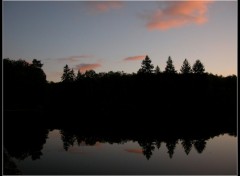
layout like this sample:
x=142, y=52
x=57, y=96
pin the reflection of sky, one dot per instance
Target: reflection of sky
x=219, y=157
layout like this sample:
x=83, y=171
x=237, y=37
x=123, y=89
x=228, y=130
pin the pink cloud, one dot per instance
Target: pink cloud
x=85, y=67
x=133, y=58
x=137, y=151
x=104, y=6
x=177, y=14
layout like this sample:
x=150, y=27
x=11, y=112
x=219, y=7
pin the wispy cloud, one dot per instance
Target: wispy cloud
x=104, y=6
x=76, y=58
x=137, y=151
x=134, y=58
x=72, y=58
x=177, y=14
x=85, y=67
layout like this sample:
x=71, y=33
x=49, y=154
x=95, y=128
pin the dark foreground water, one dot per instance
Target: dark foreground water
x=64, y=154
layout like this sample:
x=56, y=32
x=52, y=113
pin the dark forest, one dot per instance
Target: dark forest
x=192, y=96
x=150, y=107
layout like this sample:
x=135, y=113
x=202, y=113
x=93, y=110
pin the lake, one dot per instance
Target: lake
x=62, y=152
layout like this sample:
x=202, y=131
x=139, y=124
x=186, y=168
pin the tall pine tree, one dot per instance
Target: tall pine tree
x=157, y=70
x=68, y=74
x=79, y=75
x=170, y=67
x=198, y=67
x=146, y=66
x=186, y=67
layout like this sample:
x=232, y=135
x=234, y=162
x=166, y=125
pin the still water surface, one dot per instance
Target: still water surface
x=218, y=156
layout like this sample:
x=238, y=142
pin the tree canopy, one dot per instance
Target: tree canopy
x=37, y=63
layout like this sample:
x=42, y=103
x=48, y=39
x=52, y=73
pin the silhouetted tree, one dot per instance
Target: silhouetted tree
x=170, y=67
x=72, y=75
x=37, y=63
x=186, y=67
x=198, y=67
x=157, y=70
x=79, y=76
x=24, y=83
x=90, y=74
x=68, y=74
x=146, y=66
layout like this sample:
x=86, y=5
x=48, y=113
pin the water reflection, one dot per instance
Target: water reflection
x=148, y=144
x=29, y=142
x=21, y=143
x=35, y=145
x=27, y=147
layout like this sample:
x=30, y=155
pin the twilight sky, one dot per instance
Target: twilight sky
x=117, y=35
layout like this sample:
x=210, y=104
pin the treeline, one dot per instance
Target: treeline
x=23, y=84
x=146, y=68
x=189, y=97
x=150, y=107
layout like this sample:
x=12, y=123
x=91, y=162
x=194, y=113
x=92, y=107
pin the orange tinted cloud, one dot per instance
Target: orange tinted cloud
x=133, y=58
x=105, y=6
x=177, y=14
x=138, y=151
x=85, y=67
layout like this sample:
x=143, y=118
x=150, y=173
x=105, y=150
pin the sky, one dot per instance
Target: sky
x=117, y=35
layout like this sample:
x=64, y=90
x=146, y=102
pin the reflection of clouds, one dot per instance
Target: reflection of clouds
x=137, y=151
x=78, y=148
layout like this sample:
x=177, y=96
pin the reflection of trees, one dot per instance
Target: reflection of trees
x=171, y=145
x=200, y=145
x=147, y=147
x=24, y=142
x=90, y=141
x=158, y=144
x=9, y=165
x=187, y=145
x=68, y=139
x=148, y=144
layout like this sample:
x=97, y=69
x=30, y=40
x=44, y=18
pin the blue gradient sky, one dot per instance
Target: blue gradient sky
x=100, y=35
